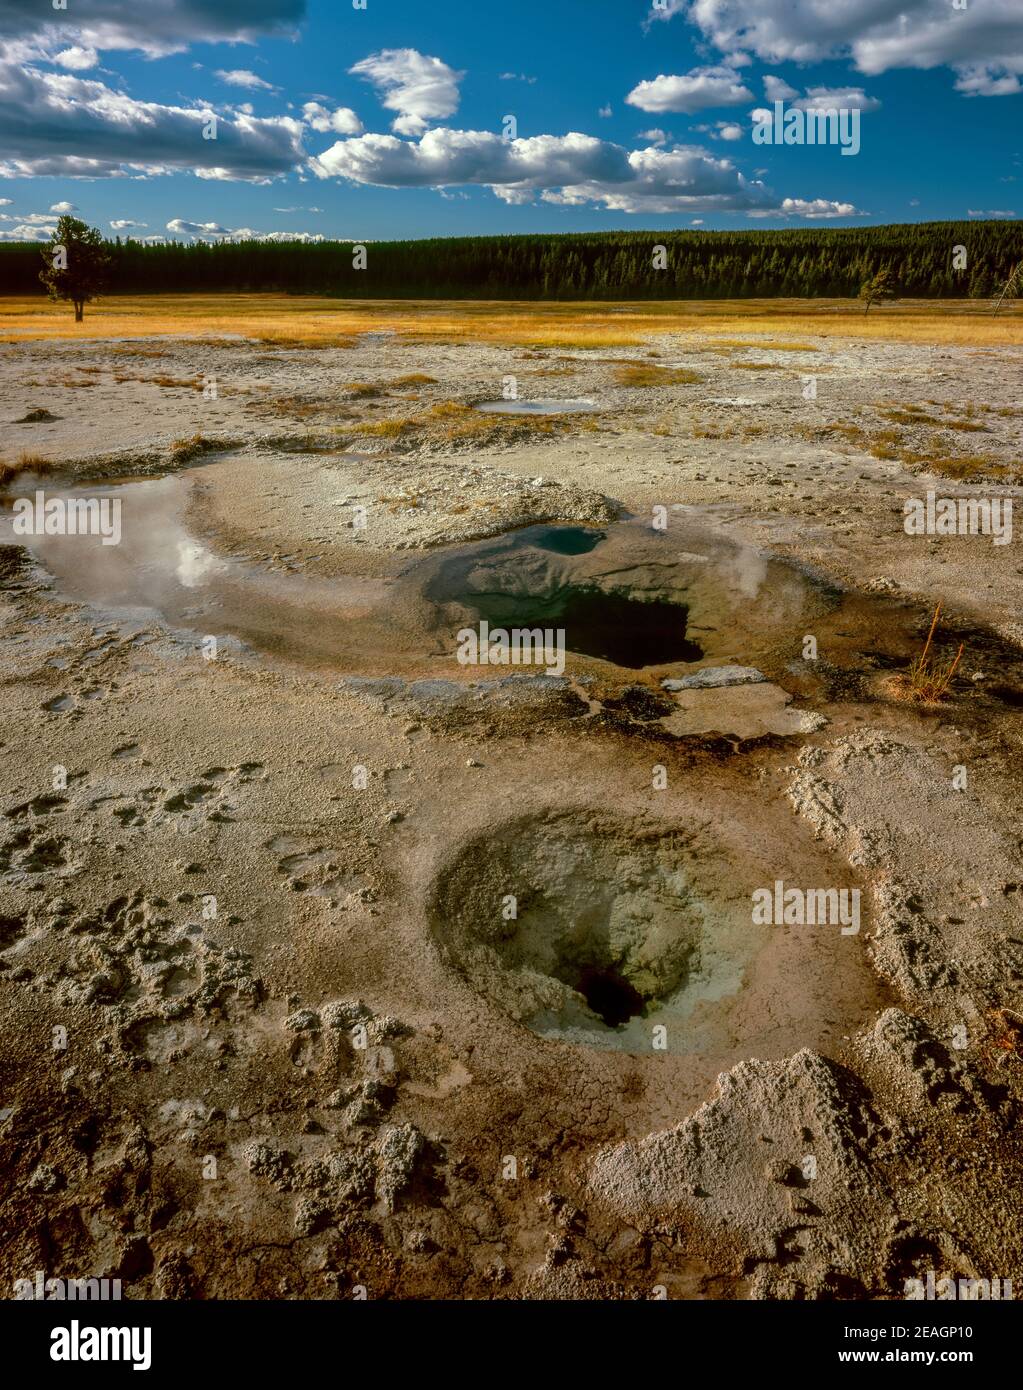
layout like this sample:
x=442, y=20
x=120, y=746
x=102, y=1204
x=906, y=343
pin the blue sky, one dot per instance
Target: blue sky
x=389, y=121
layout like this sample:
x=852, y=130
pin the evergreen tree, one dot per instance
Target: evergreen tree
x=75, y=264
x=878, y=290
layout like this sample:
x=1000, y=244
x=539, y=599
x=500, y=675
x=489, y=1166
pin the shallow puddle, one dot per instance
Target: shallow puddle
x=159, y=568
x=575, y=407
x=623, y=598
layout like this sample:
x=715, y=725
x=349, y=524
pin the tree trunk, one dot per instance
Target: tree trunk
x=79, y=310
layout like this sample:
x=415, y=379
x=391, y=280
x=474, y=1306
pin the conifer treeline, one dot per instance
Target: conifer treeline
x=809, y=262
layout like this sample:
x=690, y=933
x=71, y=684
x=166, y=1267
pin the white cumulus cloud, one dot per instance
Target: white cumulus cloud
x=241, y=77
x=42, y=219
x=214, y=231
x=30, y=226
x=421, y=89
x=836, y=98
x=982, y=41
x=571, y=170
x=988, y=80
x=24, y=232
x=777, y=89
x=57, y=124
x=77, y=59
x=692, y=91
x=343, y=121
x=154, y=27
x=813, y=208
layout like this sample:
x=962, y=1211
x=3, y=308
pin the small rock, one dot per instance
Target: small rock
x=714, y=677
x=362, y=1111
x=268, y=1161
x=400, y=1148
x=310, y=1217
x=344, y=1014
x=810, y=721
x=45, y=1179
x=419, y=1242
x=304, y=1021
x=387, y=1028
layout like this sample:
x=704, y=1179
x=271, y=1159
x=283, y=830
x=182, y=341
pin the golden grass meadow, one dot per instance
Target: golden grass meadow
x=314, y=321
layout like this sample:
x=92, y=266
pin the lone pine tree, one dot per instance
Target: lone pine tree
x=878, y=290
x=75, y=264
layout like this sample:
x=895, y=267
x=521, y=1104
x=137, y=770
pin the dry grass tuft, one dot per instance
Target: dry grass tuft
x=457, y=423
x=362, y=389
x=1006, y=1037
x=196, y=445
x=383, y=429
x=889, y=446
x=762, y=345
x=25, y=463
x=177, y=383
x=130, y=350
x=929, y=677
x=641, y=375
x=300, y=341
x=967, y=426
x=961, y=467
x=300, y=407
x=909, y=415
x=462, y=422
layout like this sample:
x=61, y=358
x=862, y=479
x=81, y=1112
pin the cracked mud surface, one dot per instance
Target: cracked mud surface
x=265, y=1030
